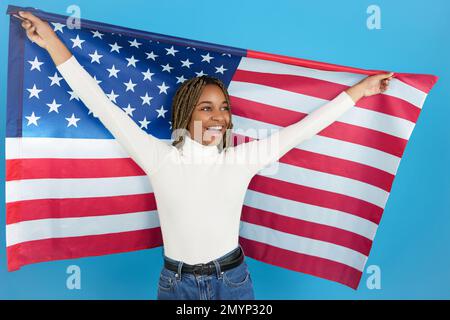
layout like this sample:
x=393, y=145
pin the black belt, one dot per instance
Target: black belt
x=229, y=262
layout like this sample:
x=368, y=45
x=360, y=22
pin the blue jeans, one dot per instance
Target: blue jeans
x=232, y=284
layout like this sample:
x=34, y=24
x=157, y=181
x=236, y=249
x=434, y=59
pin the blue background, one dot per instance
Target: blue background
x=411, y=245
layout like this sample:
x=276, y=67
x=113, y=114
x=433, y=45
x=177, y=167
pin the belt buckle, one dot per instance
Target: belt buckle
x=199, y=268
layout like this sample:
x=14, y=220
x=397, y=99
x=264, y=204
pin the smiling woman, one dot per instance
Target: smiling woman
x=199, y=223
x=201, y=105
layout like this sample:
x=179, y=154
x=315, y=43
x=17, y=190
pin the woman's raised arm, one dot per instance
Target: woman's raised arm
x=146, y=150
x=260, y=153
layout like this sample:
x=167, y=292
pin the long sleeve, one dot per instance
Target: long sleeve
x=146, y=150
x=260, y=153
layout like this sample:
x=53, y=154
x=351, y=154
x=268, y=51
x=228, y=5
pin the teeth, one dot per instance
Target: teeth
x=215, y=128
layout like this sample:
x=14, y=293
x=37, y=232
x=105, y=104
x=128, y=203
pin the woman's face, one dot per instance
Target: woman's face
x=211, y=110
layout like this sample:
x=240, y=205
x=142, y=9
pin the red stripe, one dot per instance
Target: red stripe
x=337, y=130
x=51, y=208
x=76, y=247
x=332, y=165
x=316, y=266
x=327, y=90
x=42, y=168
x=78, y=207
x=340, y=167
x=307, y=229
x=317, y=197
x=423, y=82
x=297, y=157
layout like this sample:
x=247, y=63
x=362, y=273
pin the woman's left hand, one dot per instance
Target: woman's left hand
x=369, y=86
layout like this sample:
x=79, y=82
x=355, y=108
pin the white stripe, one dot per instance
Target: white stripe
x=26, y=148
x=20, y=190
x=397, y=88
x=325, y=145
x=109, y=148
x=311, y=213
x=329, y=182
x=28, y=189
x=76, y=227
x=303, y=245
x=361, y=117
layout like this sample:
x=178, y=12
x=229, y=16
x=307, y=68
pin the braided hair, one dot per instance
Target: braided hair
x=183, y=105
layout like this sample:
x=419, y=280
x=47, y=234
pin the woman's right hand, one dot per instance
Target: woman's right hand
x=38, y=31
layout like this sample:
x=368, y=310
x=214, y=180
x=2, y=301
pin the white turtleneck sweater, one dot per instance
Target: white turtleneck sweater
x=199, y=190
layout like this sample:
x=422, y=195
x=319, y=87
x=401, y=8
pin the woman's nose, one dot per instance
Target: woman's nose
x=217, y=115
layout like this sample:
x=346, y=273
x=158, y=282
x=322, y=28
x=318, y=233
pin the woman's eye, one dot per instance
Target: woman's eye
x=226, y=108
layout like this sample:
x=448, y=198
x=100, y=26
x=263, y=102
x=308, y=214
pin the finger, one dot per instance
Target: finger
x=30, y=35
x=28, y=15
x=383, y=75
x=26, y=24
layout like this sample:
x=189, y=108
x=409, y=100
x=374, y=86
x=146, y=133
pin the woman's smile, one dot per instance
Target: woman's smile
x=211, y=114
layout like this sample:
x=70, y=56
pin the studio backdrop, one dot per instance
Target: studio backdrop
x=72, y=191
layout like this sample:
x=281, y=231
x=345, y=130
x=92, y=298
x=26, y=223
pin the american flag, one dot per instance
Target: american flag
x=72, y=191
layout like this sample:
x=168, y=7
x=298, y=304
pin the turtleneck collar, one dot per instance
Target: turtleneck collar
x=192, y=147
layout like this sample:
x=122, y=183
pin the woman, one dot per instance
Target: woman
x=200, y=180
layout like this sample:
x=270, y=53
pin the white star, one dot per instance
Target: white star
x=134, y=43
x=147, y=75
x=72, y=120
x=55, y=80
x=166, y=67
x=97, y=34
x=95, y=57
x=151, y=55
x=171, y=51
x=129, y=110
x=53, y=106
x=73, y=95
x=170, y=122
x=144, y=123
x=227, y=54
x=163, y=88
x=181, y=79
x=115, y=47
x=146, y=99
x=186, y=63
x=207, y=58
x=199, y=74
x=113, y=72
x=131, y=61
x=161, y=112
x=58, y=27
x=35, y=64
x=32, y=119
x=221, y=69
x=77, y=42
x=191, y=48
x=130, y=85
x=34, y=92
x=112, y=96
x=98, y=81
